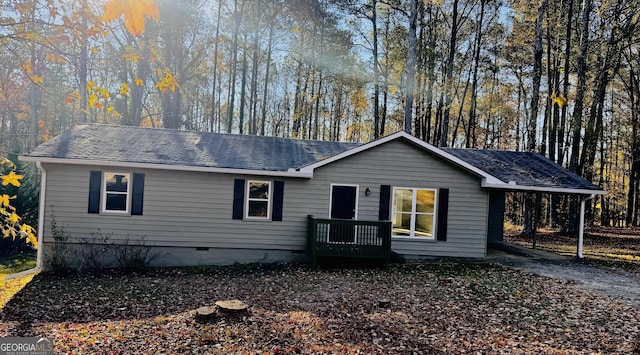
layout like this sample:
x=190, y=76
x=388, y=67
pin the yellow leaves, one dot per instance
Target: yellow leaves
x=37, y=79
x=5, y=201
x=168, y=81
x=134, y=12
x=124, y=89
x=45, y=135
x=8, y=163
x=559, y=100
x=27, y=68
x=13, y=218
x=29, y=234
x=97, y=96
x=11, y=178
x=10, y=221
x=8, y=288
x=139, y=82
x=131, y=56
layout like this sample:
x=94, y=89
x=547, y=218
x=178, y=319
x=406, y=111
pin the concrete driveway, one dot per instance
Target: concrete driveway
x=606, y=280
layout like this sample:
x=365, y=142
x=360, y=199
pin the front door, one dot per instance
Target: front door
x=343, y=206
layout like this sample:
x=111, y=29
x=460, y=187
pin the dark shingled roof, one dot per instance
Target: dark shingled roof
x=523, y=168
x=114, y=144
x=186, y=148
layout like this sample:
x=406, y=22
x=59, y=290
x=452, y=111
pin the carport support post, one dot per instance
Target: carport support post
x=581, y=225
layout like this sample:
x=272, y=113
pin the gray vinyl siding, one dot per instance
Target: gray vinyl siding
x=194, y=209
x=401, y=164
x=186, y=209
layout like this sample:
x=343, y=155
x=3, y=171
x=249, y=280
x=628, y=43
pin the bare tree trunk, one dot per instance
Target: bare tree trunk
x=449, y=75
x=376, y=70
x=537, y=76
x=243, y=86
x=234, y=62
x=565, y=83
x=411, y=66
x=82, y=72
x=633, y=89
x=212, y=115
x=471, y=127
x=316, y=113
x=266, y=80
x=253, y=127
x=580, y=88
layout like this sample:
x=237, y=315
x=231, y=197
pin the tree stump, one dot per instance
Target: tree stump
x=204, y=314
x=232, y=306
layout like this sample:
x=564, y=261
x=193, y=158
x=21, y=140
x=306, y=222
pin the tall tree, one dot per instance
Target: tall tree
x=411, y=66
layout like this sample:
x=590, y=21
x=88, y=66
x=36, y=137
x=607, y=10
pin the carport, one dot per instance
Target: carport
x=526, y=172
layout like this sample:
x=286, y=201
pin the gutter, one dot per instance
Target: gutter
x=205, y=169
x=41, y=207
x=513, y=186
x=581, y=226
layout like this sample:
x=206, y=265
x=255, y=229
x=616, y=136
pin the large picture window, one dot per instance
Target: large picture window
x=258, y=199
x=413, y=212
x=116, y=192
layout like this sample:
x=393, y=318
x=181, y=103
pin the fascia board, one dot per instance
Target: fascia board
x=560, y=190
x=134, y=165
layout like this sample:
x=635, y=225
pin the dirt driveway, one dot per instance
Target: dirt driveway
x=606, y=280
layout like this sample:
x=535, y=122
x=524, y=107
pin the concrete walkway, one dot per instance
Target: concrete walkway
x=606, y=280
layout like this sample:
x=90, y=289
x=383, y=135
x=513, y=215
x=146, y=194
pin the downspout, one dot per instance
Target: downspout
x=41, y=207
x=581, y=226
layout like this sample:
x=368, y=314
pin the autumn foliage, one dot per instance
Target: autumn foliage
x=134, y=12
x=10, y=222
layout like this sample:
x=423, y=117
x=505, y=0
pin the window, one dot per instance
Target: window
x=116, y=192
x=413, y=212
x=258, y=203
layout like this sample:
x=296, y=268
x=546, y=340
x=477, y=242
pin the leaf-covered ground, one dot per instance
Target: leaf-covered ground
x=11, y=265
x=434, y=308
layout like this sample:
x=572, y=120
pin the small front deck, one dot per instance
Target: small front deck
x=349, y=238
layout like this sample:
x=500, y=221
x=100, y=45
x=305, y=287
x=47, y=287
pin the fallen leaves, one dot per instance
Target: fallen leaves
x=433, y=308
x=8, y=288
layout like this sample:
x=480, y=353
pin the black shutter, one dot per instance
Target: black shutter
x=443, y=211
x=137, y=194
x=238, y=198
x=278, y=199
x=95, y=185
x=383, y=209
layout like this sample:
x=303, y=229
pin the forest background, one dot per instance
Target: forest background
x=561, y=78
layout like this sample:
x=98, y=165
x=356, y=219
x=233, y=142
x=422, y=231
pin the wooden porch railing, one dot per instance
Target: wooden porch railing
x=349, y=238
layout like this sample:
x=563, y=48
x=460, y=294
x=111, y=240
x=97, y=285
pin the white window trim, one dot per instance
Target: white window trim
x=103, y=192
x=247, y=199
x=412, y=235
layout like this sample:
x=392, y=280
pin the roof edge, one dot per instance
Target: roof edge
x=205, y=169
x=526, y=188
